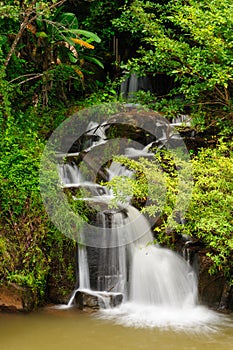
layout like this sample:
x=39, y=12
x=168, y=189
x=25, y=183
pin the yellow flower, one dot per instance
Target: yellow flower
x=83, y=43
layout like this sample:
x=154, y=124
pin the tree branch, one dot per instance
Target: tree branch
x=23, y=76
x=27, y=20
x=36, y=76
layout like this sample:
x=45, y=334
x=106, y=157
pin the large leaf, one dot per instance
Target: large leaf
x=86, y=33
x=94, y=60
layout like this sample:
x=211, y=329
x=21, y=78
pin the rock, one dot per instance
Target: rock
x=14, y=298
x=211, y=287
x=226, y=303
x=96, y=300
x=214, y=291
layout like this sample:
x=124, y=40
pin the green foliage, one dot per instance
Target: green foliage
x=31, y=249
x=209, y=217
x=28, y=242
x=23, y=260
x=5, y=98
x=45, y=53
x=141, y=185
x=160, y=189
x=192, y=43
x=99, y=17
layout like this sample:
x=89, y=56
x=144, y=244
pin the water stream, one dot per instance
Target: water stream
x=159, y=286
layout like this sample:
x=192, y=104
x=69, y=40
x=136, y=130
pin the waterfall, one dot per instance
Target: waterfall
x=181, y=119
x=134, y=83
x=70, y=174
x=158, y=286
x=84, y=278
x=112, y=261
x=142, y=272
x=155, y=281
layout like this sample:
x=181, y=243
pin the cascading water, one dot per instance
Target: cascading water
x=70, y=174
x=155, y=281
x=112, y=261
x=84, y=277
x=159, y=287
x=133, y=83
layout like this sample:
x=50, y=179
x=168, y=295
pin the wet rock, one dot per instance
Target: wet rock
x=211, y=287
x=96, y=300
x=226, y=303
x=214, y=290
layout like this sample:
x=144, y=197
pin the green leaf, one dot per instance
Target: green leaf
x=71, y=57
x=94, y=60
x=86, y=33
x=41, y=35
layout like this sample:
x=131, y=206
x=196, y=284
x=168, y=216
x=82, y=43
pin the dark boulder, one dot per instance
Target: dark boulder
x=96, y=300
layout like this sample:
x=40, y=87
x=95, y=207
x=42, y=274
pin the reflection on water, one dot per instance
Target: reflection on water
x=52, y=329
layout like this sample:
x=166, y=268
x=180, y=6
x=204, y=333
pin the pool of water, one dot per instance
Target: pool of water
x=53, y=329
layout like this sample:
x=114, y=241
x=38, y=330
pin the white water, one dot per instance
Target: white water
x=70, y=174
x=133, y=83
x=160, y=277
x=84, y=278
x=159, y=287
x=112, y=272
x=196, y=319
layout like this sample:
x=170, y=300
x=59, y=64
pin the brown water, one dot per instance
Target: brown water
x=72, y=329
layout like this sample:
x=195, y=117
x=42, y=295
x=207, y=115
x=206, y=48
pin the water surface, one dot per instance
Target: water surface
x=71, y=329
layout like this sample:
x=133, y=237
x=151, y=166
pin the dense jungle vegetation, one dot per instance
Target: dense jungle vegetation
x=57, y=57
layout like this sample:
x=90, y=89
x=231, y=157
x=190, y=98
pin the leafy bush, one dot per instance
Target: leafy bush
x=208, y=217
x=29, y=244
x=190, y=42
x=45, y=55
